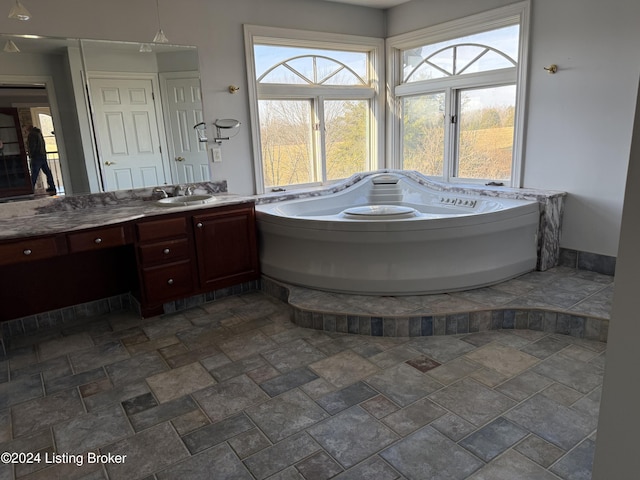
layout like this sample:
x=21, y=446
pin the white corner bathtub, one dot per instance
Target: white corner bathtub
x=388, y=234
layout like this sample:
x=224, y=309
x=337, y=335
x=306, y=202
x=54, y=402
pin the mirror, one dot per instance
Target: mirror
x=114, y=115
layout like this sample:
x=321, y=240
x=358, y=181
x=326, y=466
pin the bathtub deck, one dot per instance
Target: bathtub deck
x=560, y=300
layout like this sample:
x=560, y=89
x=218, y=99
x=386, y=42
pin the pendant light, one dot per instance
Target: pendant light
x=10, y=47
x=19, y=12
x=160, y=36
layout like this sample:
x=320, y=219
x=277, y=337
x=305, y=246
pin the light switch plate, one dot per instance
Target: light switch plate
x=216, y=153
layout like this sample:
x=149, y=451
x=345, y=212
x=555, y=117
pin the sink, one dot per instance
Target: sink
x=184, y=201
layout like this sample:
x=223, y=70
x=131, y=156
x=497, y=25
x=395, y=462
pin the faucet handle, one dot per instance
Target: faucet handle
x=162, y=191
x=190, y=189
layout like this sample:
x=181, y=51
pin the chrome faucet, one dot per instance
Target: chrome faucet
x=178, y=191
x=189, y=190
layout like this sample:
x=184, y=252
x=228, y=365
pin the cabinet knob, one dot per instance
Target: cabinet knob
x=166, y=251
x=97, y=240
x=199, y=225
x=170, y=281
x=27, y=251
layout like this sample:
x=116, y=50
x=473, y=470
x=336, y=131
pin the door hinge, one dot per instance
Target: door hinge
x=454, y=119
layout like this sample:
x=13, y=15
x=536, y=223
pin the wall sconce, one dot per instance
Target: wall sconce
x=551, y=69
x=225, y=124
x=19, y=12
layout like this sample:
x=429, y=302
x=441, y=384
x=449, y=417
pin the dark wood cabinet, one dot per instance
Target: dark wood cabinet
x=97, y=239
x=166, y=282
x=181, y=255
x=41, y=274
x=29, y=250
x=165, y=261
x=226, y=247
x=159, y=259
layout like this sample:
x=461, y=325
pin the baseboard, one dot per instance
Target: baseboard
x=593, y=262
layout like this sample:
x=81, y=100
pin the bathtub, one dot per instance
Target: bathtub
x=388, y=234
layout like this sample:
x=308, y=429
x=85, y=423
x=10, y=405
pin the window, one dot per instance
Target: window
x=317, y=101
x=458, y=89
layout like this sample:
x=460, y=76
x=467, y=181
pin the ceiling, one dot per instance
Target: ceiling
x=372, y=3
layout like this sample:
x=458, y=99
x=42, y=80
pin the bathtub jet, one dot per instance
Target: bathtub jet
x=389, y=234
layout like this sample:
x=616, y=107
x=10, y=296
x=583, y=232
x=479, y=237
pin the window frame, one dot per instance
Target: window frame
x=255, y=34
x=490, y=20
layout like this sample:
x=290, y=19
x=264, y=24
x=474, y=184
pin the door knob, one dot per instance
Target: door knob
x=180, y=159
x=108, y=164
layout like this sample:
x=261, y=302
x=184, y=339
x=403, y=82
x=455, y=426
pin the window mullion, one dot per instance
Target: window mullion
x=450, y=133
x=320, y=157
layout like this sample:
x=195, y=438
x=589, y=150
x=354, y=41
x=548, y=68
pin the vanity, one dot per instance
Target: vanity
x=87, y=248
x=107, y=241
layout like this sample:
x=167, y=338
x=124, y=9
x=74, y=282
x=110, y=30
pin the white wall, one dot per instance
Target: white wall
x=617, y=444
x=579, y=120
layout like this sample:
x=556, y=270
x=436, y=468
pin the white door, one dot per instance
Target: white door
x=184, y=110
x=127, y=133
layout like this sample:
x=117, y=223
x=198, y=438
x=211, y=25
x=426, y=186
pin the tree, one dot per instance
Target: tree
x=287, y=148
x=286, y=143
x=423, y=134
x=346, y=143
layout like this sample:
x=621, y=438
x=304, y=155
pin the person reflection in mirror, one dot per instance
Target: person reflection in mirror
x=38, y=154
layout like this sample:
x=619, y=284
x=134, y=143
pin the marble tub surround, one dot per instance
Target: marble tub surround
x=551, y=204
x=75, y=212
x=235, y=388
x=559, y=300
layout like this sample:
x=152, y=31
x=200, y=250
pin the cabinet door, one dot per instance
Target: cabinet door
x=226, y=247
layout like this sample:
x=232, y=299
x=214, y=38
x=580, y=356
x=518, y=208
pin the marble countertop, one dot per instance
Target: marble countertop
x=58, y=215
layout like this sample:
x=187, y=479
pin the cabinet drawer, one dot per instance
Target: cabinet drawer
x=167, y=251
x=167, y=282
x=159, y=229
x=27, y=250
x=96, y=239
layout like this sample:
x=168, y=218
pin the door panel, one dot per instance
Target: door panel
x=122, y=179
x=143, y=132
x=115, y=130
x=184, y=110
x=127, y=133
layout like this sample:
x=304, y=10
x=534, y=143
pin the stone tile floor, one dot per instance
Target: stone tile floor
x=234, y=390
